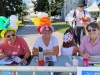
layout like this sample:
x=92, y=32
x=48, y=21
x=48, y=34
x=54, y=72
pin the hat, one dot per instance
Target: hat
x=81, y=3
x=43, y=21
x=10, y=23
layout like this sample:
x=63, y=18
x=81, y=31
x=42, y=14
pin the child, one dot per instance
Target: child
x=69, y=47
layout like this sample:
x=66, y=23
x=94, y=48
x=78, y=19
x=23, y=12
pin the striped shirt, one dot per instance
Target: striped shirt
x=86, y=46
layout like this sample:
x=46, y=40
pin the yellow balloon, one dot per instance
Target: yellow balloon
x=18, y=22
x=11, y=28
x=36, y=21
x=3, y=32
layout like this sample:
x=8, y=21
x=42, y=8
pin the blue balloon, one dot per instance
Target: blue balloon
x=6, y=26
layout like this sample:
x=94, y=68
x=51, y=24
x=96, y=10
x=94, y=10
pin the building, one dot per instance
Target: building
x=31, y=9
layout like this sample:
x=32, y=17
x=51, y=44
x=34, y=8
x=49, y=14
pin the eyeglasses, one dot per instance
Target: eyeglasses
x=93, y=29
x=8, y=36
x=47, y=30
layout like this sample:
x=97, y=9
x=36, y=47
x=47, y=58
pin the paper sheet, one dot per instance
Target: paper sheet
x=90, y=62
x=5, y=61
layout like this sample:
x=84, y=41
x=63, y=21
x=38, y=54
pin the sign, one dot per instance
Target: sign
x=88, y=70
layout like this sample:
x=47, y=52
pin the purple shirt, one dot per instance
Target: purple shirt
x=86, y=46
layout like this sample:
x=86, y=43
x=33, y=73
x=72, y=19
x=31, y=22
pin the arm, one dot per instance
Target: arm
x=25, y=48
x=70, y=17
x=35, y=51
x=55, y=51
x=82, y=48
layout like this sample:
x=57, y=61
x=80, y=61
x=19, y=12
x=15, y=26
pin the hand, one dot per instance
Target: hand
x=94, y=59
x=2, y=55
x=86, y=55
x=24, y=61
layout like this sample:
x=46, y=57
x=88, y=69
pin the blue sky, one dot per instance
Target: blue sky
x=95, y=0
x=26, y=1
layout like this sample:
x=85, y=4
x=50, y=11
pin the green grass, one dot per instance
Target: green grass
x=60, y=26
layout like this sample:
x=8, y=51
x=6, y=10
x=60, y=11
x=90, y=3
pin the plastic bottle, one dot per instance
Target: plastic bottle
x=40, y=57
x=18, y=60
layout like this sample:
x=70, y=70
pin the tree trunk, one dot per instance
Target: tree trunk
x=2, y=8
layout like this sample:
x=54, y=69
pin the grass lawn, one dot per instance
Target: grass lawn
x=60, y=26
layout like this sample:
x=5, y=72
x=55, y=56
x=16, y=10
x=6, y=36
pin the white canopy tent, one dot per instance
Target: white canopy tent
x=92, y=8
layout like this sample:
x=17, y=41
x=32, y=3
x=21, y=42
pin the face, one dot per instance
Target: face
x=93, y=32
x=81, y=8
x=47, y=32
x=10, y=36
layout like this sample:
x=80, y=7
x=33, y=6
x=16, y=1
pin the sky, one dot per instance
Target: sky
x=95, y=0
x=26, y=1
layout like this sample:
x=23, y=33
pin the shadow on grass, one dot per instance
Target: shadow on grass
x=61, y=27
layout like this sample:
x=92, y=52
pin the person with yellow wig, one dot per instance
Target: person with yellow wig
x=48, y=42
x=13, y=44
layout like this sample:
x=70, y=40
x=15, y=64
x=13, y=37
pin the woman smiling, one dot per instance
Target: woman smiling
x=90, y=44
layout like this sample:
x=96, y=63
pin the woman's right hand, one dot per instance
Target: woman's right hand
x=2, y=55
x=86, y=55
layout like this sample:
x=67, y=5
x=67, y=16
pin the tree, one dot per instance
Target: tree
x=43, y=6
x=9, y=7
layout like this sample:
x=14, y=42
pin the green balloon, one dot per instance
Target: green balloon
x=2, y=22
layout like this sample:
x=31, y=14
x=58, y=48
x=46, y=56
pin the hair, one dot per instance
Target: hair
x=93, y=25
x=69, y=44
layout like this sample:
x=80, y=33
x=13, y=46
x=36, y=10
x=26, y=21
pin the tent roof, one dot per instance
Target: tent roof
x=93, y=8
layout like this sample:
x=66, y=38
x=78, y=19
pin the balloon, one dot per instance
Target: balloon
x=13, y=18
x=45, y=21
x=36, y=21
x=18, y=22
x=13, y=26
x=2, y=22
x=3, y=32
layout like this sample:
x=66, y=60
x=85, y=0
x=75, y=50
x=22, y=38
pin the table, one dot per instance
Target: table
x=61, y=62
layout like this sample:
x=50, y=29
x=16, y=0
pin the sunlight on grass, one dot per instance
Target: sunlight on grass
x=60, y=26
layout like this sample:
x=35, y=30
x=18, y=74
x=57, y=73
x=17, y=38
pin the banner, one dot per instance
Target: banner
x=88, y=70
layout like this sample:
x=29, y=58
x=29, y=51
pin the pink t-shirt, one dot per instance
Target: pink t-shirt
x=86, y=46
x=18, y=48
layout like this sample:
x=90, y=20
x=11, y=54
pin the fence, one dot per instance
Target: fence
x=38, y=69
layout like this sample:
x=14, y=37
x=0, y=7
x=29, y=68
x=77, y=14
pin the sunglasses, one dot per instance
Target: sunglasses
x=8, y=36
x=93, y=29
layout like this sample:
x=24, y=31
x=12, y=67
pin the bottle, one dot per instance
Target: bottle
x=40, y=57
x=51, y=63
x=18, y=60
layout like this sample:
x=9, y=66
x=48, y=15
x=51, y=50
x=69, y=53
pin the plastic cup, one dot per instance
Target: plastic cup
x=85, y=62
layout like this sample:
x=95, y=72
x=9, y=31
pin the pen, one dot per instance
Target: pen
x=3, y=52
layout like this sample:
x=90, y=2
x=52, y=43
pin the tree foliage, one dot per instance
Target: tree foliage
x=9, y=7
x=43, y=5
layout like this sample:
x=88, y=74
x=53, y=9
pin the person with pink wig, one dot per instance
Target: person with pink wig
x=47, y=41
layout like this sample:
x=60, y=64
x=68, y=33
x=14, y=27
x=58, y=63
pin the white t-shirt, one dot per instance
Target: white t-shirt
x=39, y=43
x=67, y=51
x=70, y=17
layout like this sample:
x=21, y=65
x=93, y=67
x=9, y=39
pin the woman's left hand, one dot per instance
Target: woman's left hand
x=24, y=61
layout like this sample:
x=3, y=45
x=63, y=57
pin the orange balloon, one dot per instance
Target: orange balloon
x=45, y=21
